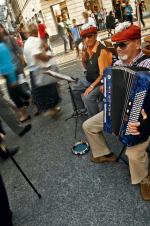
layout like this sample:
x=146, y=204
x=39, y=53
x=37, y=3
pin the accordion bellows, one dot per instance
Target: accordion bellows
x=125, y=94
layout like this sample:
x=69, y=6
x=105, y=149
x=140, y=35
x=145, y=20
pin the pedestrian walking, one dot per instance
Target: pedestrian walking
x=100, y=20
x=110, y=23
x=7, y=70
x=128, y=12
x=62, y=32
x=88, y=20
x=68, y=26
x=44, y=90
x=22, y=32
x=43, y=34
x=141, y=7
x=95, y=12
x=76, y=36
x=20, y=94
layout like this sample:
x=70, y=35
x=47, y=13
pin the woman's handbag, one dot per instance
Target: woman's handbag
x=43, y=79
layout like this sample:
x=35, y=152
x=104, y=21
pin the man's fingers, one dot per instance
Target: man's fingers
x=135, y=134
x=134, y=124
x=144, y=114
x=133, y=131
x=133, y=128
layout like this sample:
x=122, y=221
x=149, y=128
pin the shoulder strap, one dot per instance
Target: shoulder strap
x=99, y=48
x=142, y=58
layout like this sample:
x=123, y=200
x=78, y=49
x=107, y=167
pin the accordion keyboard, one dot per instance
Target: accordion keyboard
x=136, y=109
x=125, y=94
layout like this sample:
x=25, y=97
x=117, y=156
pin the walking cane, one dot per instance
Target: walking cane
x=21, y=171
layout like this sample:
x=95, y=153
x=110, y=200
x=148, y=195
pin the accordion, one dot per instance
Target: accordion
x=125, y=94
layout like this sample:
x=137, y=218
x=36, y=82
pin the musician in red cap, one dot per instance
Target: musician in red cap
x=95, y=58
x=127, y=41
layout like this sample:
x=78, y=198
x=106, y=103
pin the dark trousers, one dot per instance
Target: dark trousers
x=142, y=21
x=5, y=213
x=70, y=41
x=129, y=18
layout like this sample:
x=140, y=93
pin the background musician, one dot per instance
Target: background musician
x=95, y=58
x=128, y=44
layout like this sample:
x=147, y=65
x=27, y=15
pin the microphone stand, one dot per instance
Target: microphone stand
x=75, y=113
x=69, y=79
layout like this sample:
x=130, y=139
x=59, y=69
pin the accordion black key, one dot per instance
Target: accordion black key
x=125, y=94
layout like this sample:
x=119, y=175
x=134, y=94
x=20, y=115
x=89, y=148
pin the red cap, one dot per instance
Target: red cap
x=89, y=30
x=130, y=33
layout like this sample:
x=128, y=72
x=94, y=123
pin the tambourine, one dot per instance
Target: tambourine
x=80, y=148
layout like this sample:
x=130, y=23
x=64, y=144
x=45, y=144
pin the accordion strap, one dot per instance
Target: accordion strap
x=142, y=58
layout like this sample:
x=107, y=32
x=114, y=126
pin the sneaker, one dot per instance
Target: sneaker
x=145, y=188
x=106, y=158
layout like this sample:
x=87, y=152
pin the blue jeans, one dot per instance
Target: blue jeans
x=90, y=101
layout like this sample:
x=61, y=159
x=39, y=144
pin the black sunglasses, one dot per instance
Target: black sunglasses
x=121, y=44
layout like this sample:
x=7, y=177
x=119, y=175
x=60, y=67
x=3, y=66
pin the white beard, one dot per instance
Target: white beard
x=123, y=57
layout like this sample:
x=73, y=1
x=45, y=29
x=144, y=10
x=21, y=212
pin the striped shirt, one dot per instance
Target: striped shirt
x=145, y=63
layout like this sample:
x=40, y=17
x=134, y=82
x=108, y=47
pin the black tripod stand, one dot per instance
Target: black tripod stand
x=75, y=113
x=21, y=171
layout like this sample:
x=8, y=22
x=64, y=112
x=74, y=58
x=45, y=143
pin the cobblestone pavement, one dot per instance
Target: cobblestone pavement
x=75, y=191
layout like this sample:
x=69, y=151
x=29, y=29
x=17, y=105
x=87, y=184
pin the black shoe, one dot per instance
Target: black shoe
x=37, y=113
x=4, y=155
x=25, y=130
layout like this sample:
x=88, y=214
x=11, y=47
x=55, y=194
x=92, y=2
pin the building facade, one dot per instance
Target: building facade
x=27, y=11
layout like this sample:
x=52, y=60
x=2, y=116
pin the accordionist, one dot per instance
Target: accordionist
x=127, y=40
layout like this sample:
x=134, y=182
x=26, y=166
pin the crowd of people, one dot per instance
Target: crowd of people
x=69, y=31
x=35, y=52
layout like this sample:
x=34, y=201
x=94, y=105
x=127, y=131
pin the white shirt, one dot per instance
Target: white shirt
x=32, y=47
x=145, y=63
x=90, y=22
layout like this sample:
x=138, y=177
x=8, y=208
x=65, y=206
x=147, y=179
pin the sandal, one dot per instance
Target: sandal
x=28, y=118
